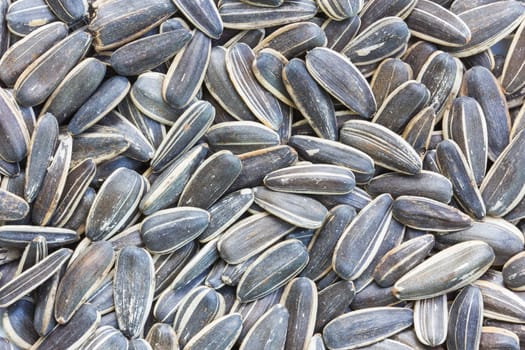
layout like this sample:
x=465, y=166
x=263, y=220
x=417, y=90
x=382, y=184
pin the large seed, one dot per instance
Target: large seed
x=92, y=266
x=431, y=320
x=360, y=241
x=218, y=335
x=448, y=270
x=427, y=214
x=365, y=327
x=203, y=14
x=313, y=102
x=272, y=270
x=384, y=146
x=134, y=284
x=465, y=320
x=269, y=331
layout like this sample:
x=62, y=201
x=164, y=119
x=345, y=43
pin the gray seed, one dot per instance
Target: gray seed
x=375, y=10
x=162, y=337
x=47, y=71
x=333, y=301
x=115, y=203
x=218, y=335
x=494, y=338
x=365, y=327
x=184, y=134
x=465, y=320
x=300, y=299
x=500, y=303
x=32, y=278
x=238, y=15
x=18, y=236
x=167, y=230
x=203, y=15
x=431, y=320
x=272, y=269
x=241, y=137
x=427, y=214
x=311, y=100
x=187, y=71
x=198, y=309
x=13, y=207
x=401, y=259
x=513, y=272
x=27, y=16
x=293, y=40
x=72, y=334
x=269, y=332
x=134, y=284
x=448, y=270
x=434, y=23
x=360, y=241
x=512, y=74
x=340, y=33
x=93, y=265
x=17, y=323
x=383, y=145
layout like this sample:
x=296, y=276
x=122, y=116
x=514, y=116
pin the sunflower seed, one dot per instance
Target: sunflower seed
x=266, y=108
x=100, y=144
x=198, y=266
x=481, y=84
x=504, y=238
x=168, y=230
x=324, y=241
x=293, y=40
x=446, y=271
x=256, y=164
x=107, y=96
x=238, y=15
x=465, y=124
x=297, y=210
x=441, y=74
x=72, y=334
x=147, y=53
x=431, y=320
x=267, y=69
x=218, y=335
x=117, y=22
x=41, y=77
x=269, y=271
x=494, y=337
x=32, y=278
x=434, y=23
x=204, y=15
x=374, y=10
x=300, y=299
x=54, y=182
x=239, y=243
x=501, y=303
x=106, y=337
x=184, y=134
x=17, y=323
x=241, y=137
x=75, y=89
x=139, y=344
x=401, y=105
x=187, y=71
x=401, y=259
x=15, y=144
x=332, y=302
x=453, y=164
x=198, y=309
x=384, y=146
x=212, y=179
x=486, y=31
x=340, y=33
x=162, y=336
x=381, y=40
x=23, y=53
x=428, y=214
x=33, y=253
x=269, y=331
x=311, y=100
x=465, y=320
x=134, y=284
x=115, y=203
x=512, y=272
x=360, y=240
x=365, y=327
x=500, y=193
x=351, y=88
x=13, y=207
x=18, y=236
x=389, y=75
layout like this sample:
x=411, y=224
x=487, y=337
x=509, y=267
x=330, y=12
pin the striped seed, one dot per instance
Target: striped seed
x=465, y=320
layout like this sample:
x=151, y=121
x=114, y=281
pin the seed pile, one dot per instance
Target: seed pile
x=262, y=174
